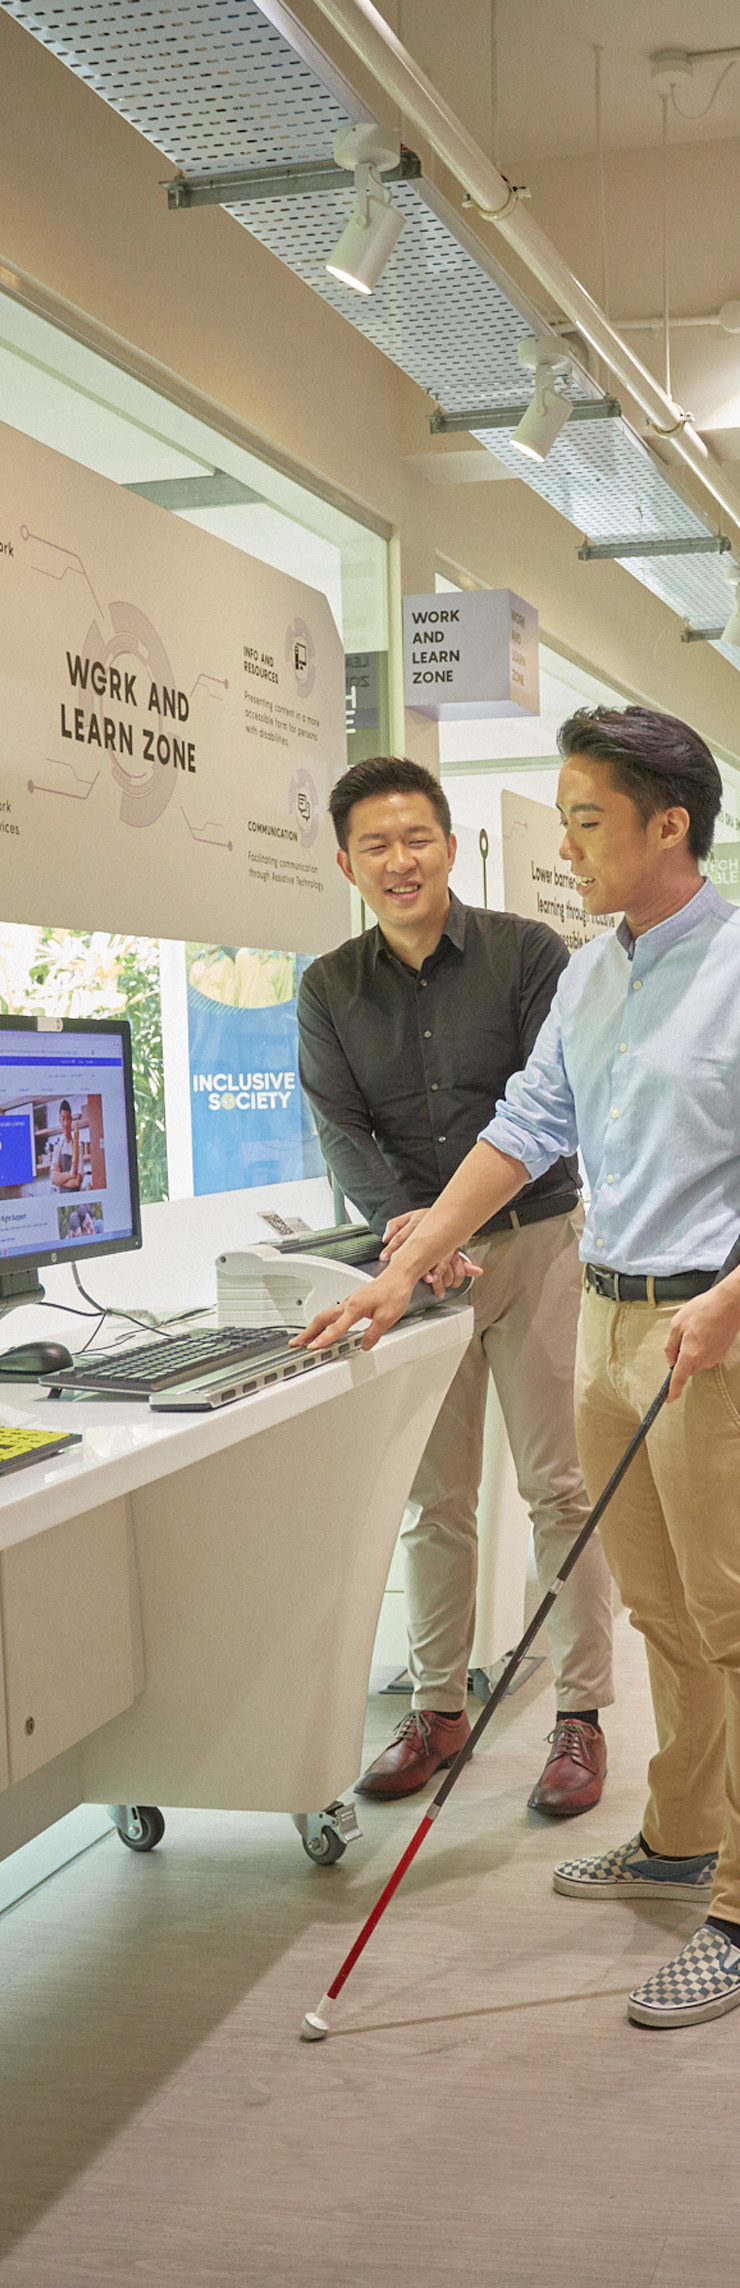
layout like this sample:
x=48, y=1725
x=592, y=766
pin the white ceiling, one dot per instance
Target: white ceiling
x=546, y=68
x=243, y=94
x=545, y=107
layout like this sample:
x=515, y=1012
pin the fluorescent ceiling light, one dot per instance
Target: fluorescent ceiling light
x=376, y=225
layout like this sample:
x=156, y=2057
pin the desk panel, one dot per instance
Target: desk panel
x=69, y=1635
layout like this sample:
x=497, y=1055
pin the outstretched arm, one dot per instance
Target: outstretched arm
x=537, y=1118
x=484, y=1182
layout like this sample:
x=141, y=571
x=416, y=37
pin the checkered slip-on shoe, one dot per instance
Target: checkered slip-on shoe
x=701, y=1982
x=629, y=1869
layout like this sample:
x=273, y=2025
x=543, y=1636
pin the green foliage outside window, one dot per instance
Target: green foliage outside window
x=70, y=973
x=239, y=978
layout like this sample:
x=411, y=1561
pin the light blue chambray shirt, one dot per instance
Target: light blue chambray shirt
x=638, y=1063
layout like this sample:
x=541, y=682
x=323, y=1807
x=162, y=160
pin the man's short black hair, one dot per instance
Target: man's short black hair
x=385, y=774
x=656, y=759
x=65, y=1106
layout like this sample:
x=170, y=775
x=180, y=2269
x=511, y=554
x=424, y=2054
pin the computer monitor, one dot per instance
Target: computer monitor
x=69, y=1182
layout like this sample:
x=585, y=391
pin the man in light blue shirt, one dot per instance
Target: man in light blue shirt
x=639, y=1063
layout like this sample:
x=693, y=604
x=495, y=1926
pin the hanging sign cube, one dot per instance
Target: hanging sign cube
x=471, y=653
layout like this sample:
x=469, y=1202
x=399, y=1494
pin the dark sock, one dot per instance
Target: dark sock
x=728, y=1929
x=673, y=1858
x=578, y=1716
x=445, y=1714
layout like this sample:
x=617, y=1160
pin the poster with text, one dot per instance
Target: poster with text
x=173, y=721
x=251, y=1123
x=538, y=883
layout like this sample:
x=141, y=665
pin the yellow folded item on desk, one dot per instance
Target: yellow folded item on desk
x=19, y=1447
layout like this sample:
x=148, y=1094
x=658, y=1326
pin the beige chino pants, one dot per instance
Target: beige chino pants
x=672, y=1538
x=526, y=1316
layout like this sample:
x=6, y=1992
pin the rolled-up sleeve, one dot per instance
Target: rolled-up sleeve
x=535, y=1121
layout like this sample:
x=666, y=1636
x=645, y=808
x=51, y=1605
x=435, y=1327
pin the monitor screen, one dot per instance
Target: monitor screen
x=68, y=1174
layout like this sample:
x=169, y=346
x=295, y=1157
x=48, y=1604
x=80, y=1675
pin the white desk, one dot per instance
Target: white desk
x=189, y=1603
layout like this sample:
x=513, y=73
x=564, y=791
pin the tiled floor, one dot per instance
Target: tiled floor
x=482, y=2113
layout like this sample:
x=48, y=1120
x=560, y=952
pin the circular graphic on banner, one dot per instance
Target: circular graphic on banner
x=300, y=650
x=303, y=804
x=145, y=793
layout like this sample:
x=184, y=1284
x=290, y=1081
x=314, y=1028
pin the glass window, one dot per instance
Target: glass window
x=68, y=973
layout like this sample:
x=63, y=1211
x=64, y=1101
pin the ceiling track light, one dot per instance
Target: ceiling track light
x=548, y=411
x=375, y=227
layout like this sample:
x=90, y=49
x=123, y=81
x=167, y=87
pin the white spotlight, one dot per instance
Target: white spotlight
x=548, y=412
x=376, y=225
x=731, y=634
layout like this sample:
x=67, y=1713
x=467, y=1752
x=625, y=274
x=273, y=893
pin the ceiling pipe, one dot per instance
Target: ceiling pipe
x=372, y=41
x=728, y=318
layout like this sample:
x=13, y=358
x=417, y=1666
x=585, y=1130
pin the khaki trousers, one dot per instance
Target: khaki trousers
x=672, y=1538
x=526, y=1316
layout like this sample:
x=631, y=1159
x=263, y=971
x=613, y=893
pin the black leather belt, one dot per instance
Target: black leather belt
x=533, y=1211
x=625, y=1287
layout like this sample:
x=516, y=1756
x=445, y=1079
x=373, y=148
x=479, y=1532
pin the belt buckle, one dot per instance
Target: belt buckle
x=606, y=1283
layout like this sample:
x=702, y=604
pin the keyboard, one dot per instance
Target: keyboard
x=164, y=1361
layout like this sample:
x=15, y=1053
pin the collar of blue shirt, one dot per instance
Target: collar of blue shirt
x=655, y=942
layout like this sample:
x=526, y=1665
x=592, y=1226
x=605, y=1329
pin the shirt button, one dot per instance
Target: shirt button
x=423, y=981
x=427, y=1036
x=610, y=1179
x=599, y=1243
x=637, y=987
x=441, y=1140
x=622, y=1047
x=615, y=1116
x=435, y=1086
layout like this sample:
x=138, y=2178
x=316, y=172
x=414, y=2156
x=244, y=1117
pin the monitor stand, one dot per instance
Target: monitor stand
x=16, y=1287
x=19, y=1287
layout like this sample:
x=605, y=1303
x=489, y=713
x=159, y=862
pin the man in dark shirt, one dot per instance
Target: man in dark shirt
x=408, y=1036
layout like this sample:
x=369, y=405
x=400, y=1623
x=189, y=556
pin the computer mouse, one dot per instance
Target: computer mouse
x=29, y=1361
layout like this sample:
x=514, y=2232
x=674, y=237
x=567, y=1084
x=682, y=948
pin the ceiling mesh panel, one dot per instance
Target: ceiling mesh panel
x=210, y=82
x=215, y=84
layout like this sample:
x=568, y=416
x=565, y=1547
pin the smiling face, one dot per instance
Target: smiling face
x=623, y=863
x=399, y=857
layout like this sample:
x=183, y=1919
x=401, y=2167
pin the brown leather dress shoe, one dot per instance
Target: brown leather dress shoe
x=421, y=1746
x=575, y=1771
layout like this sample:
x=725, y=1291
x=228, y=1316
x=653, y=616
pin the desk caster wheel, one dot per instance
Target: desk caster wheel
x=325, y=1834
x=324, y=1849
x=140, y=1825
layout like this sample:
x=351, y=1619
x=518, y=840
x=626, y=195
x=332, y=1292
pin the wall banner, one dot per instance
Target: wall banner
x=251, y=1123
x=172, y=721
x=723, y=864
x=538, y=883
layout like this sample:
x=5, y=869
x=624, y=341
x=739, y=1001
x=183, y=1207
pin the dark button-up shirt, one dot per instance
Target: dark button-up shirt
x=404, y=1067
